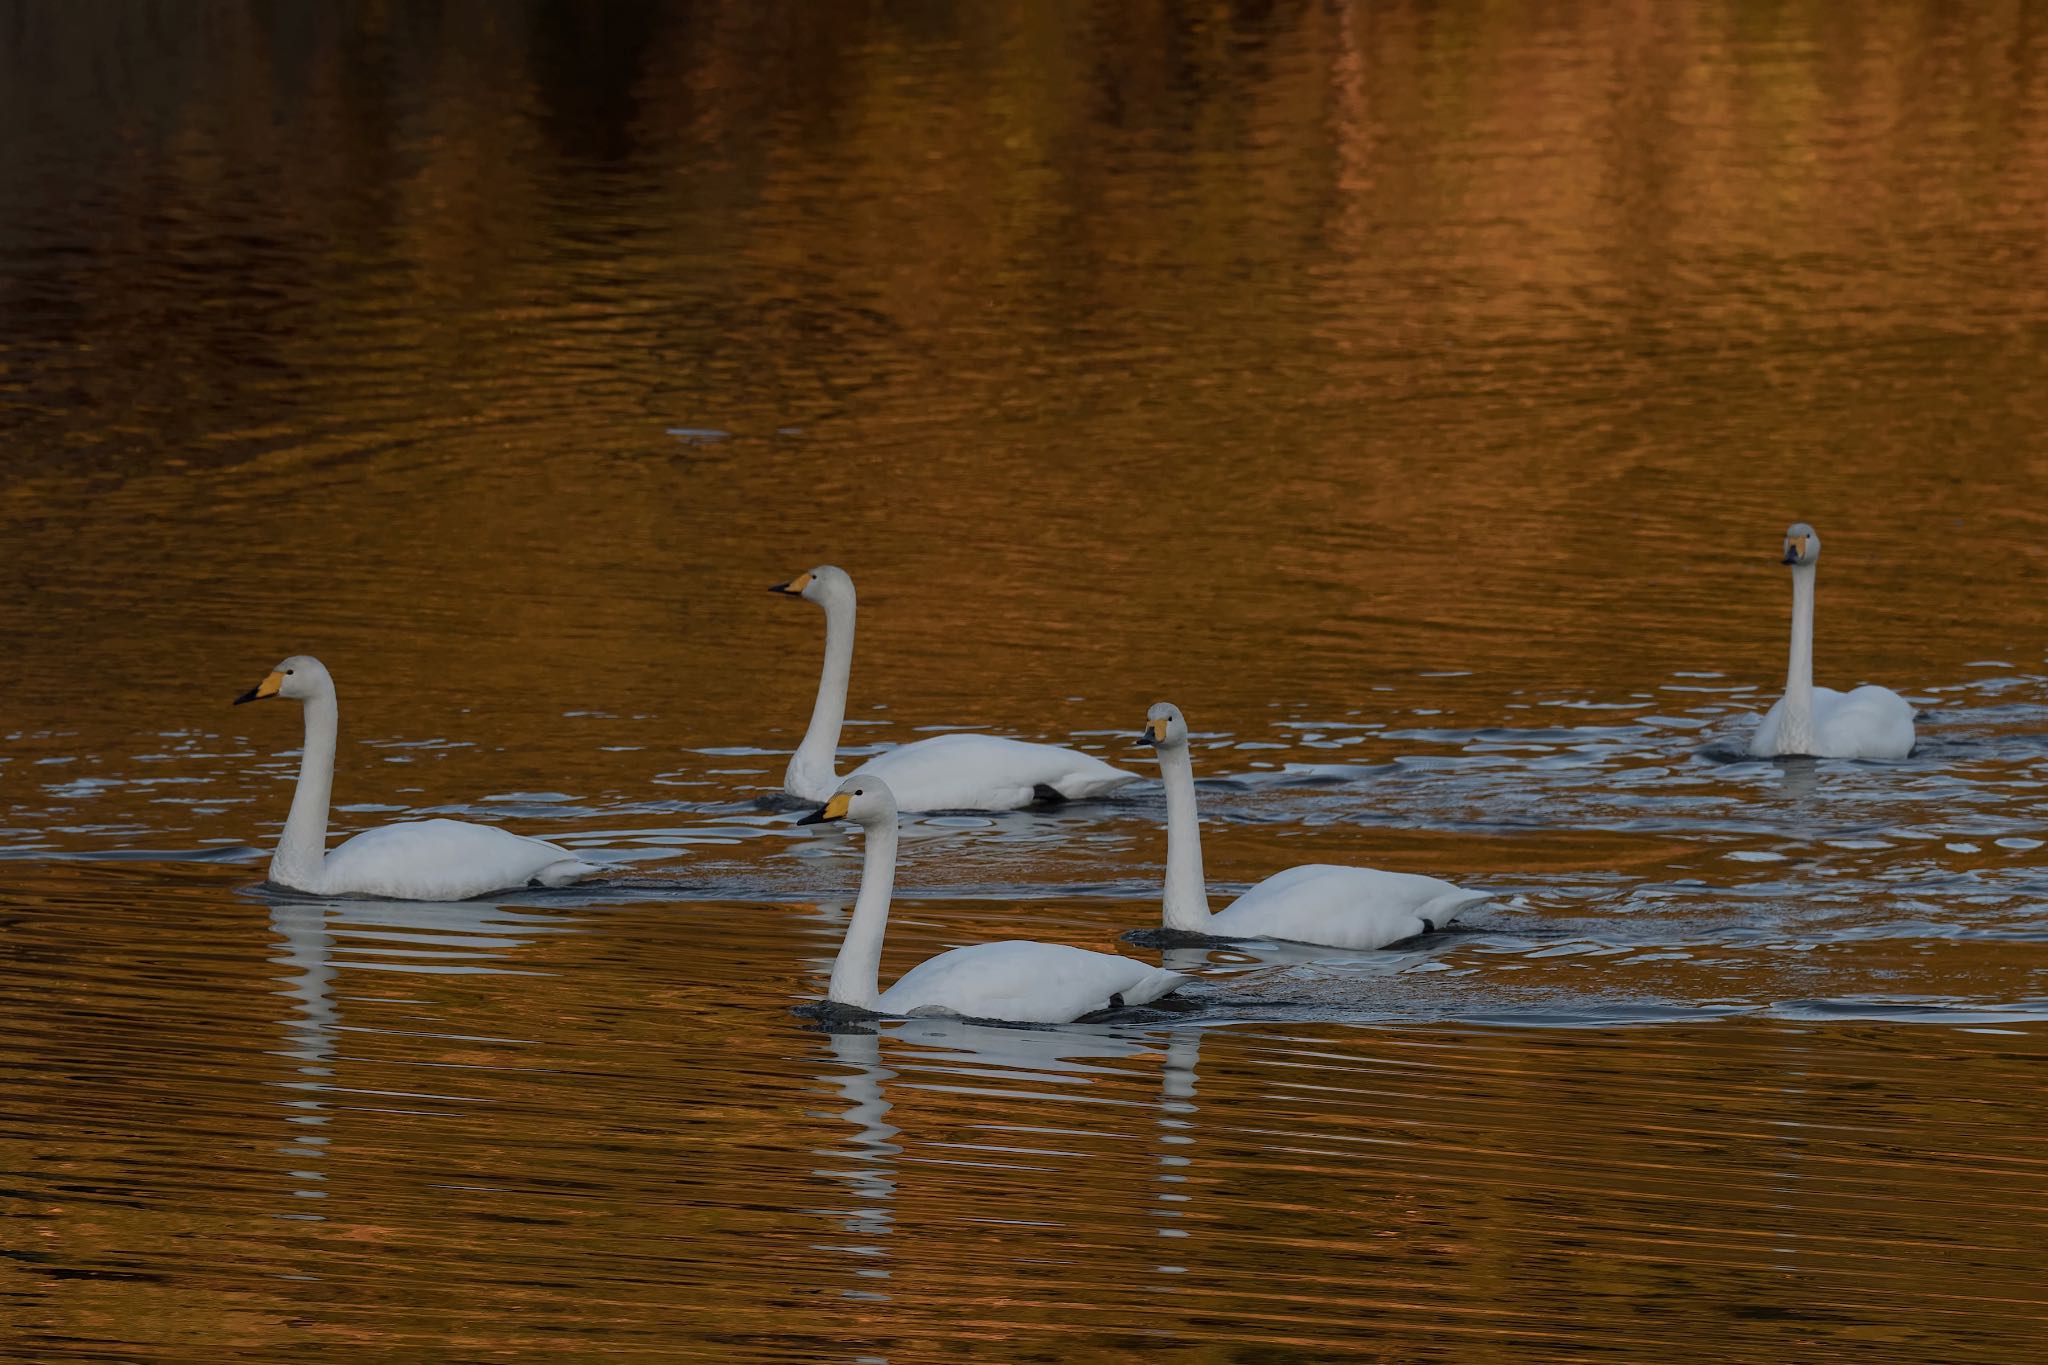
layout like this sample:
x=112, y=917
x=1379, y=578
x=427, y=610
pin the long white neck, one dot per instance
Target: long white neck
x=1795, y=723
x=813, y=768
x=1186, y=903
x=856, y=971
x=304, y=842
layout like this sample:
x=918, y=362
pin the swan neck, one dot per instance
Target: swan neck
x=1185, y=905
x=1799, y=664
x=303, y=845
x=813, y=769
x=857, y=970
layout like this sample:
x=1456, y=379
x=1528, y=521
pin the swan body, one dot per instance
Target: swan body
x=1819, y=722
x=1319, y=903
x=418, y=860
x=989, y=772
x=1343, y=907
x=1025, y=983
x=1870, y=722
x=947, y=772
x=443, y=860
x=1016, y=981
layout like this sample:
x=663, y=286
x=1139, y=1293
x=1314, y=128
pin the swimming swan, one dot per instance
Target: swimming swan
x=1341, y=907
x=1819, y=722
x=1017, y=981
x=946, y=772
x=424, y=860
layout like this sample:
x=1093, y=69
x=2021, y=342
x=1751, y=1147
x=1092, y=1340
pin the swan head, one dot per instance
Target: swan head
x=1802, y=544
x=298, y=677
x=1164, y=727
x=863, y=798
x=828, y=585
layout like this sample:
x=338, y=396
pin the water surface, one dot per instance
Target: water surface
x=1413, y=394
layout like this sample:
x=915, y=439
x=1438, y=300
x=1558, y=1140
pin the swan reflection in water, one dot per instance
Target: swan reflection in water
x=1177, y=1110
x=309, y=1036
x=1023, y=1060
x=440, y=939
x=870, y=1175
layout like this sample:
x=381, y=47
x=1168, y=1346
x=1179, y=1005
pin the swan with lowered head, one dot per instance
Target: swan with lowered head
x=1016, y=981
x=424, y=860
x=1320, y=903
x=946, y=772
x=1819, y=722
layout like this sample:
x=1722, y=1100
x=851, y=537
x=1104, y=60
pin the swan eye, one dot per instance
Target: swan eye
x=289, y=671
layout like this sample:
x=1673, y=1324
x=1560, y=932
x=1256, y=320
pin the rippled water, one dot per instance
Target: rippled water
x=1414, y=394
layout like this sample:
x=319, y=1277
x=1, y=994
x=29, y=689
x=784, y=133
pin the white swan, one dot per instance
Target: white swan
x=1016, y=981
x=1339, y=907
x=426, y=860
x=947, y=772
x=1819, y=722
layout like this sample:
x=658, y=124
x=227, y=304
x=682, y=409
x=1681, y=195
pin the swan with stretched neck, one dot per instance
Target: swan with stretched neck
x=1819, y=722
x=425, y=860
x=1016, y=981
x=946, y=772
x=1319, y=903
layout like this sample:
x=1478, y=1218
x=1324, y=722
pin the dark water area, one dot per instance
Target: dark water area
x=1414, y=394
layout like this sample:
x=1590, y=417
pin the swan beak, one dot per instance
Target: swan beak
x=267, y=688
x=835, y=809
x=794, y=587
x=1795, y=550
x=1147, y=738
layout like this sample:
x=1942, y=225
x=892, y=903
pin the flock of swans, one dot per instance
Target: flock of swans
x=1017, y=981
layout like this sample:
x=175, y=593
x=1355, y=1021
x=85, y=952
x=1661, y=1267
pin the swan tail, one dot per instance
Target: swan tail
x=1449, y=908
x=1159, y=982
x=1083, y=786
x=564, y=872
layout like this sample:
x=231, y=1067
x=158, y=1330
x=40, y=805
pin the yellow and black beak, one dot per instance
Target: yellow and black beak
x=794, y=587
x=1795, y=549
x=1152, y=736
x=835, y=809
x=267, y=688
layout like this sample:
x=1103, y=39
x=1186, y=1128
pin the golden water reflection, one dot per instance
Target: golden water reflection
x=1414, y=393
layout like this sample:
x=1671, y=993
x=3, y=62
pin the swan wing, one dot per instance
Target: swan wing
x=1344, y=907
x=1765, y=742
x=988, y=772
x=1025, y=983
x=445, y=860
x=1870, y=722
